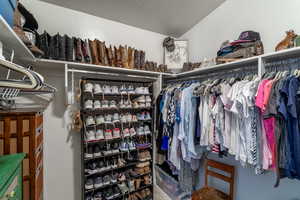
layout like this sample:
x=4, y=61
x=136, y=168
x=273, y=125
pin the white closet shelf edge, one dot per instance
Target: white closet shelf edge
x=11, y=41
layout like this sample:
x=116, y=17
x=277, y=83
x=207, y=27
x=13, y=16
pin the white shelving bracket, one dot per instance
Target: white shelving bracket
x=261, y=67
x=66, y=85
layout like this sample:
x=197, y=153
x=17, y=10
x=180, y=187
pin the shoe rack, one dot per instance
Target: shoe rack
x=110, y=169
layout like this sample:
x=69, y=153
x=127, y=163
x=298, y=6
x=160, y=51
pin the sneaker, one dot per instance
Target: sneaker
x=147, y=130
x=89, y=197
x=98, y=196
x=128, y=104
x=140, y=131
x=101, y=166
x=114, y=178
x=124, y=147
x=135, y=105
x=108, y=119
x=97, y=104
x=123, y=187
x=99, y=120
x=98, y=89
x=142, y=105
x=90, y=121
x=88, y=87
x=99, y=134
x=98, y=182
x=147, y=116
x=115, y=148
x=114, y=90
x=141, y=116
x=107, y=89
x=113, y=104
x=132, y=132
x=123, y=118
x=116, y=191
x=131, y=146
x=126, y=132
x=122, y=104
x=116, y=133
x=130, y=90
x=90, y=136
x=123, y=89
x=89, y=184
x=106, y=180
x=88, y=104
x=141, y=99
x=116, y=118
x=146, y=90
x=131, y=185
x=97, y=151
x=148, y=105
x=104, y=104
x=89, y=152
x=134, y=118
x=93, y=167
x=148, y=99
x=129, y=117
x=108, y=134
x=139, y=90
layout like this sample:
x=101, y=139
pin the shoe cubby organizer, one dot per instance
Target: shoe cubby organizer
x=117, y=139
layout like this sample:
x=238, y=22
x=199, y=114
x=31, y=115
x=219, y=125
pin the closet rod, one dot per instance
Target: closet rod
x=221, y=73
x=110, y=74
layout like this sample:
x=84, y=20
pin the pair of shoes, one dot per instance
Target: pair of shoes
x=129, y=132
x=144, y=116
x=127, y=146
x=143, y=130
x=125, y=104
x=126, y=118
x=127, y=90
x=143, y=99
x=144, y=156
x=109, y=104
x=91, y=135
x=142, y=90
x=93, y=151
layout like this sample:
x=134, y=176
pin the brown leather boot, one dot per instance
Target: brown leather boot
x=110, y=57
x=137, y=59
x=142, y=59
x=94, y=52
x=99, y=53
x=130, y=58
x=119, y=57
x=165, y=68
x=124, y=55
x=105, y=56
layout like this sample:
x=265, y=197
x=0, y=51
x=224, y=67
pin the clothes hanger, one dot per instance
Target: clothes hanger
x=30, y=82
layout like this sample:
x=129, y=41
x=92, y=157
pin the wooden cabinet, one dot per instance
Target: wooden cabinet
x=11, y=177
x=21, y=131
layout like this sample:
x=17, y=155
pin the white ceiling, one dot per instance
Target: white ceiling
x=169, y=17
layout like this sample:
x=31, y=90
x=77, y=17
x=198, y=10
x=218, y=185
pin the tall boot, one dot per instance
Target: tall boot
x=124, y=54
x=84, y=50
x=137, y=59
x=130, y=58
x=44, y=44
x=78, y=53
x=99, y=51
x=94, y=52
x=69, y=48
x=105, y=55
x=142, y=59
x=110, y=56
x=62, y=47
x=119, y=57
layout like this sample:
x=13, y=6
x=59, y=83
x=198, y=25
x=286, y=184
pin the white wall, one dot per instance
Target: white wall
x=271, y=18
x=56, y=19
x=62, y=149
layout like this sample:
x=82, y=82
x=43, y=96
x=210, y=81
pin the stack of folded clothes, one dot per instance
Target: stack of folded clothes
x=248, y=44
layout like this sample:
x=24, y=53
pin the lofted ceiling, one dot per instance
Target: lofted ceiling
x=168, y=17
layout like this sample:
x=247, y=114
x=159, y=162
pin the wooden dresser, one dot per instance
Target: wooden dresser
x=21, y=131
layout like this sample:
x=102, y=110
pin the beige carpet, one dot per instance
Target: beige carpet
x=159, y=194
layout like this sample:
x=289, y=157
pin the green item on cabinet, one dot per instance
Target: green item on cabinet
x=11, y=176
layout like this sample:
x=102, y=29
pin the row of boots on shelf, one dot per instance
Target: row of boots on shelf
x=71, y=49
